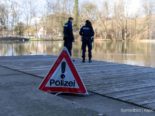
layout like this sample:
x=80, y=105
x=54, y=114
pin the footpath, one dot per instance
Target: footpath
x=20, y=96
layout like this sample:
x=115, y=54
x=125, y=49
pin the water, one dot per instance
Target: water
x=134, y=53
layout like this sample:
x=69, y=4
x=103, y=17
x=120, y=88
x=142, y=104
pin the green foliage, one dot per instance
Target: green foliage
x=19, y=28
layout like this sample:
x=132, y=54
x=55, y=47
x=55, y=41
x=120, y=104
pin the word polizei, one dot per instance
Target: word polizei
x=62, y=83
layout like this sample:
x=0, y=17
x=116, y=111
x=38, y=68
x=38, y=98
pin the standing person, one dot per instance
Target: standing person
x=68, y=35
x=87, y=34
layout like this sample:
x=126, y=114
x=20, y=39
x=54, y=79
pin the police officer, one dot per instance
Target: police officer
x=68, y=35
x=87, y=34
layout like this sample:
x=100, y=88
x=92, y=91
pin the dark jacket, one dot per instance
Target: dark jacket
x=86, y=32
x=68, y=32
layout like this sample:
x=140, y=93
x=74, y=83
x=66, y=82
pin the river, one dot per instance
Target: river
x=134, y=53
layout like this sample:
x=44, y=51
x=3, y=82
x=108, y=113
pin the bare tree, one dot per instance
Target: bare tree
x=88, y=11
x=148, y=17
x=56, y=13
x=120, y=20
x=14, y=13
x=29, y=13
x=103, y=18
x=3, y=18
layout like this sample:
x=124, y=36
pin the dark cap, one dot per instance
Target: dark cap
x=88, y=21
x=70, y=18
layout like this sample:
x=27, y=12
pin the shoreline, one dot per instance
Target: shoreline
x=148, y=41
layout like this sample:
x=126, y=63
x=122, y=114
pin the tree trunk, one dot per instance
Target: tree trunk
x=76, y=13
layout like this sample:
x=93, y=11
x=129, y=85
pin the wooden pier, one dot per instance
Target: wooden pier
x=127, y=83
x=17, y=39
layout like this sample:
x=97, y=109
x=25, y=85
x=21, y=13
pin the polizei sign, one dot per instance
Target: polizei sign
x=63, y=77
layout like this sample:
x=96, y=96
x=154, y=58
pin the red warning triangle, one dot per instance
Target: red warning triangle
x=63, y=77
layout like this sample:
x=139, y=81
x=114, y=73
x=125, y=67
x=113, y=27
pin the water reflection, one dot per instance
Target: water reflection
x=135, y=53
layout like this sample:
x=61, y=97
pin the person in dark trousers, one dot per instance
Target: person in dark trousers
x=68, y=35
x=87, y=34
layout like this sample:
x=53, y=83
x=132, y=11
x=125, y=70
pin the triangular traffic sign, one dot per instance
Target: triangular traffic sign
x=63, y=77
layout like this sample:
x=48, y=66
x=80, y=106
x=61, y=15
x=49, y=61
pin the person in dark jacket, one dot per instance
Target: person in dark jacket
x=87, y=34
x=68, y=35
